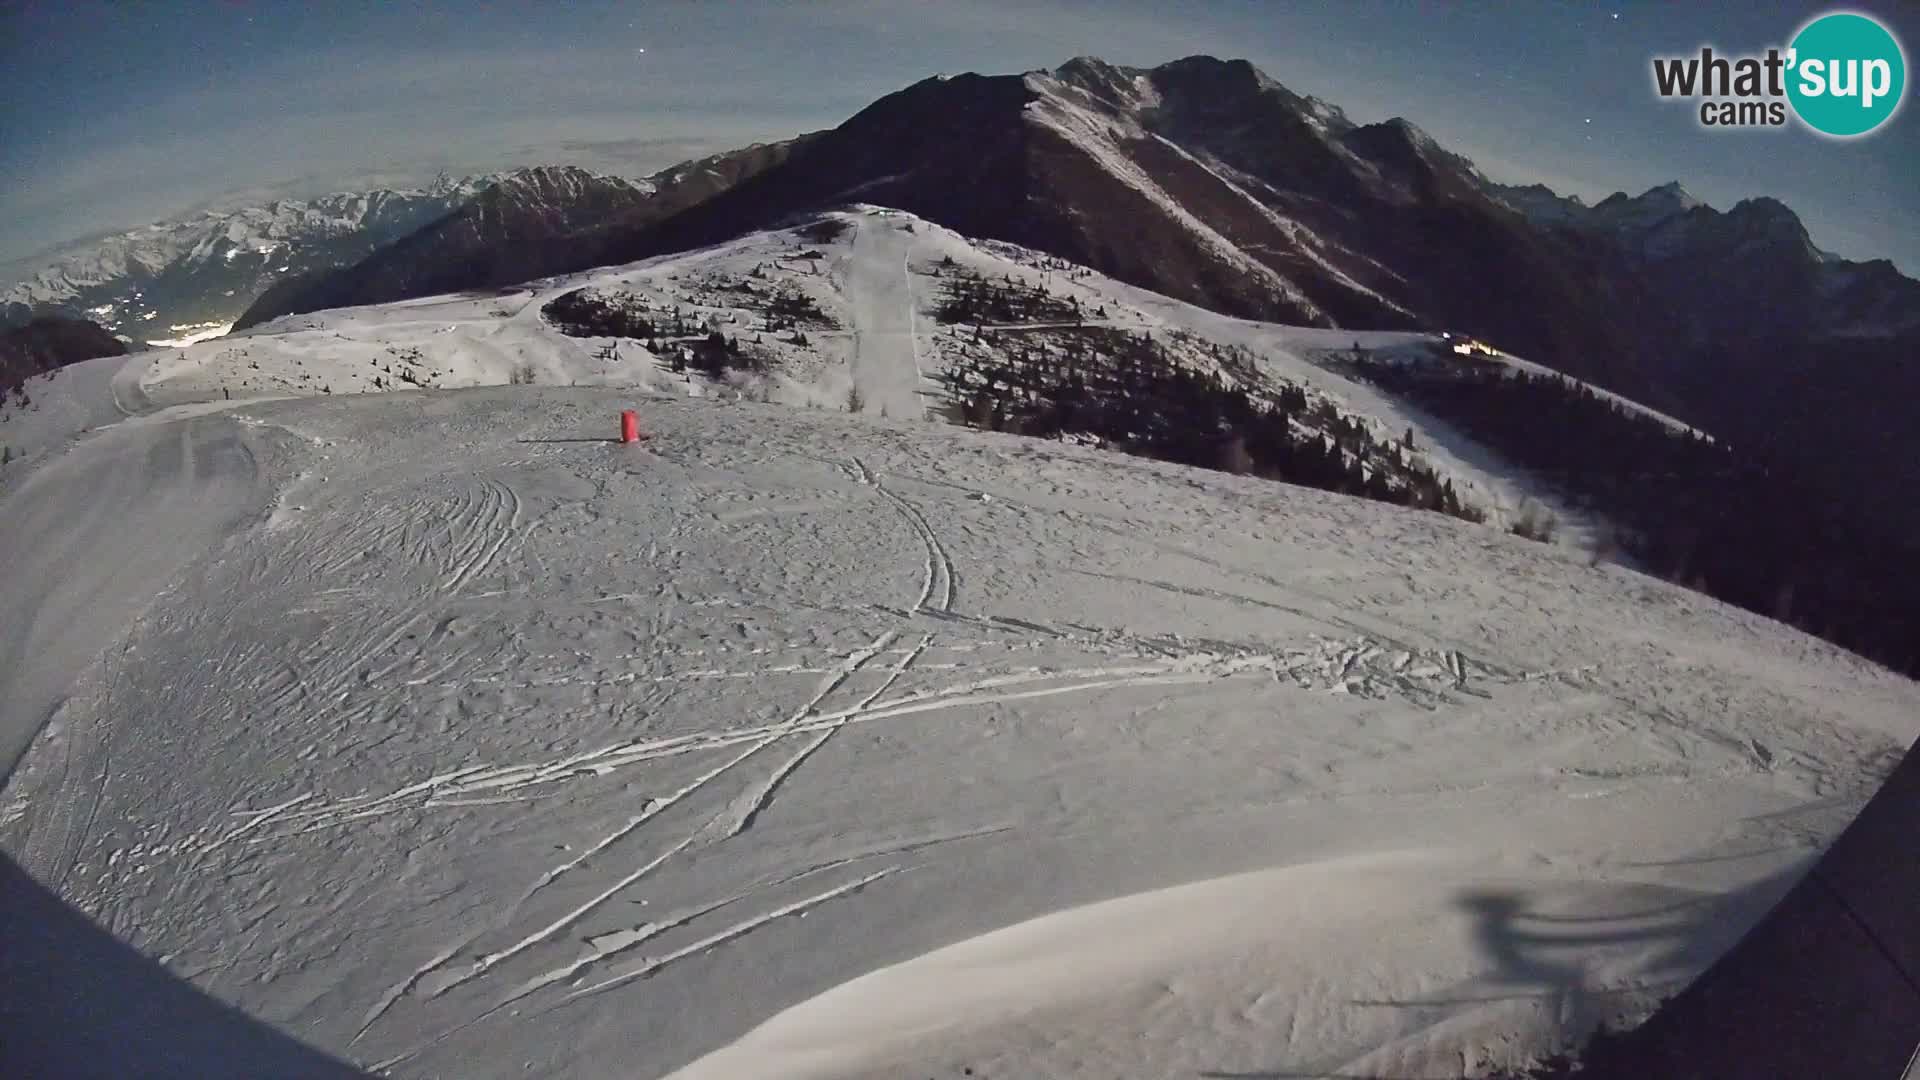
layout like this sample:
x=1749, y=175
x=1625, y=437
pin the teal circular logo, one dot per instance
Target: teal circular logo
x=1847, y=74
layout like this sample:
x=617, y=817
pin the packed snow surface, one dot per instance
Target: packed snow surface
x=447, y=735
x=456, y=738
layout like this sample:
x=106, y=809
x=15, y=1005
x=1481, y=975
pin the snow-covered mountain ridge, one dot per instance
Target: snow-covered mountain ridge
x=1667, y=224
x=148, y=280
x=198, y=274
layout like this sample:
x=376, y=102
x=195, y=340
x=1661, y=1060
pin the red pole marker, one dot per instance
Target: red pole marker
x=629, y=426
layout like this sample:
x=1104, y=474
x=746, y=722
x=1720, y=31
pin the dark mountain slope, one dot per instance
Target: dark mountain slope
x=532, y=223
x=1207, y=181
x=496, y=237
x=49, y=343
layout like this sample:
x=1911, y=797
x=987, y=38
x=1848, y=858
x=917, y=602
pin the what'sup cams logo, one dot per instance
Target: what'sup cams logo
x=1843, y=75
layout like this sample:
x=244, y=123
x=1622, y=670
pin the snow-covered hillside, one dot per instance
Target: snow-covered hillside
x=448, y=735
x=876, y=284
x=441, y=732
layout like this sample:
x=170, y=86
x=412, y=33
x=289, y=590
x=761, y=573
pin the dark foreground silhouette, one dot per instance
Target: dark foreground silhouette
x=1828, y=984
x=76, y=1002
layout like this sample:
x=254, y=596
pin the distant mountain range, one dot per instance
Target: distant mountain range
x=484, y=239
x=197, y=274
x=1686, y=252
x=1208, y=181
x=1201, y=179
x=1751, y=331
x=520, y=226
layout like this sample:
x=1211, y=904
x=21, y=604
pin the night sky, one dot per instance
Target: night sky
x=117, y=114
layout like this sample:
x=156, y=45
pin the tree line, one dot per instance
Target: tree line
x=966, y=297
x=1129, y=392
x=1744, y=525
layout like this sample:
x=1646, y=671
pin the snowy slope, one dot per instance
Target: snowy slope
x=73, y=401
x=878, y=281
x=456, y=740
x=1301, y=355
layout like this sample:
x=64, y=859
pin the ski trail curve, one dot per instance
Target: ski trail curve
x=78, y=578
x=936, y=588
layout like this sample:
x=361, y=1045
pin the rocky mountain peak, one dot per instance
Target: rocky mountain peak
x=1092, y=71
x=1646, y=210
x=1673, y=194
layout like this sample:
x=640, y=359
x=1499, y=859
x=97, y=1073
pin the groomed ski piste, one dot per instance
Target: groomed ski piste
x=447, y=736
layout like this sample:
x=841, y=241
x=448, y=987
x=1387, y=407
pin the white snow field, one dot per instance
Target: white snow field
x=441, y=733
x=879, y=281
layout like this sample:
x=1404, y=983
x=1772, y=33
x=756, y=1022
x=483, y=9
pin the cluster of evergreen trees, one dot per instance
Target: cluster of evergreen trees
x=592, y=313
x=1741, y=524
x=789, y=308
x=1128, y=391
x=596, y=313
x=716, y=354
x=969, y=298
x=781, y=306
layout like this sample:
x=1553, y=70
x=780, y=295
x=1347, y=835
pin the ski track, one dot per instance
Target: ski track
x=512, y=777
x=501, y=524
x=1357, y=667
x=936, y=589
x=741, y=812
x=654, y=964
x=628, y=940
x=484, y=963
x=635, y=936
x=852, y=663
x=739, y=818
x=623, y=941
x=651, y=966
x=406, y=985
x=260, y=818
x=753, y=802
x=749, y=804
x=484, y=522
